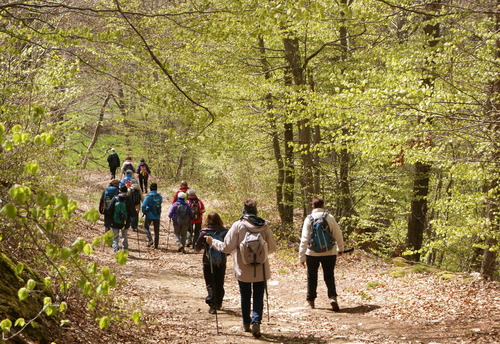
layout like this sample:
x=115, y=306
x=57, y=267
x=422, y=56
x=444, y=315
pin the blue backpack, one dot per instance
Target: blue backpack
x=107, y=197
x=216, y=257
x=321, y=235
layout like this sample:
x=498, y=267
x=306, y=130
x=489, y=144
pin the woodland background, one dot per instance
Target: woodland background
x=389, y=110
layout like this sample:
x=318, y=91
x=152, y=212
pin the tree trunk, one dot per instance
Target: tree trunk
x=97, y=131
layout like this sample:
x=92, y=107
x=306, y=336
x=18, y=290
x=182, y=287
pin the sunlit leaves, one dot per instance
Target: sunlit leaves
x=23, y=294
x=5, y=325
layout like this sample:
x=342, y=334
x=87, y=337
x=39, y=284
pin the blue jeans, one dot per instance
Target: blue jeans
x=246, y=300
x=328, y=266
x=116, y=239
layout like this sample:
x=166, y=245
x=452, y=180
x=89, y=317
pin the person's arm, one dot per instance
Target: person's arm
x=336, y=232
x=304, y=240
x=145, y=204
x=202, y=206
x=230, y=242
x=172, y=211
x=271, y=243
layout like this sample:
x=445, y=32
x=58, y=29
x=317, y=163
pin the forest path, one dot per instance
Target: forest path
x=375, y=306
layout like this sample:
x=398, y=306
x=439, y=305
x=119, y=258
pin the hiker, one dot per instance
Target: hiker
x=214, y=262
x=135, y=194
x=151, y=207
x=198, y=208
x=121, y=209
x=107, y=196
x=127, y=165
x=327, y=257
x=180, y=213
x=113, y=162
x=143, y=172
x=251, y=278
x=182, y=188
x=128, y=179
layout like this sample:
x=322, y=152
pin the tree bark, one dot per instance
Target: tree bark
x=97, y=131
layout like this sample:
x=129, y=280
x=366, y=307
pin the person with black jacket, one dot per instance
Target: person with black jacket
x=113, y=162
x=122, y=210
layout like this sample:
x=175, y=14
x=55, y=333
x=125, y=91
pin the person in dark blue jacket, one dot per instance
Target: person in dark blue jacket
x=151, y=207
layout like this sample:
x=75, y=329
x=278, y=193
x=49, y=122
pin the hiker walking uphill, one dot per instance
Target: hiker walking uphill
x=182, y=188
x=107, y=196
x=180, y=213
x=214, y=262
x=198, y=208
x=128, y=179
x=317, y=246
x=113, y=162
x=251, y=274
x=143, y=172
x=135, y=194
x=127, y=165
x=151, y=207
x=122, y=209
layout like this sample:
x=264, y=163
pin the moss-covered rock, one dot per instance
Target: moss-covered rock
x=12, y=308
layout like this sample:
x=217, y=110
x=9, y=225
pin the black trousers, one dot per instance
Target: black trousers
x=143, y=182
x=328, y=266
x=215, y=283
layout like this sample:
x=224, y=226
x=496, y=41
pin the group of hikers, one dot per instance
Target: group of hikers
x=250, y=237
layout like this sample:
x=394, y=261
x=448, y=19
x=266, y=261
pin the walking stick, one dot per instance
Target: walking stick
x=265, y=286
x=168, y=231
x=138, y=243
x=214, y=289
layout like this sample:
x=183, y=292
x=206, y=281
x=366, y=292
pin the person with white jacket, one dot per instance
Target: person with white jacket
x=250, y=278
x=327, y=258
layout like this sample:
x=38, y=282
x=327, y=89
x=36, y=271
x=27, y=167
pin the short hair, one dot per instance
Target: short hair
x=153, y=186
x=250, y=206
x=123, y=189
x=213, y=219
x=184, y=183
x=114, y=182
x=318, y=202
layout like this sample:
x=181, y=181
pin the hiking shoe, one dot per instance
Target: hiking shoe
x=310, y=303
x=219, y=306
x=180, y=249
x=183, y=250
x=246, y=327
x=335, y=305
x=150, y=244
x=212, y=310
x=256, y=330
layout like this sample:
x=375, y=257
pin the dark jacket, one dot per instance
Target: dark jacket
x=131, y=211
x=113, y=160
x=139, y=169
x=200, y=243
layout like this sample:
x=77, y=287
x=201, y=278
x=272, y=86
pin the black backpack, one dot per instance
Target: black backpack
x=195, y=208
x=135, y=196
x=216, y=257
x=182, y=213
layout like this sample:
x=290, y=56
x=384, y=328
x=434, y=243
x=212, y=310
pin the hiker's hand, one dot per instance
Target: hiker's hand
x=208, y=239
x=303, y=264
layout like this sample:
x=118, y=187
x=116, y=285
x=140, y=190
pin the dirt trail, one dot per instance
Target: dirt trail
x=375, y=307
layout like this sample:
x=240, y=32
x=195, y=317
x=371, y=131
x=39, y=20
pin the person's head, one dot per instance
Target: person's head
x=153, y=186
x=213, y=219
x=129, y=173
x=317, y=202
x=128, y=158
x=123, y=189
x=184, y=183
x=142, y=159
x=134, y=183
x=191, y=192
x=181, y=195
x=113, y=150
x=250, y=207
x=114, y=182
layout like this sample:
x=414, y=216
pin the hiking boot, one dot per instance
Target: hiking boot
x=212, y=310
x=183, y=250
x=150, y=244
x=246, y=327
x=180, y=249
x=256, y=330
x=335, y=305
x=310, y=303
x=219, y=306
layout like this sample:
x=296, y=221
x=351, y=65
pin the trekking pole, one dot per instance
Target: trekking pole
x=138, y=243
x=214, y=289
x=265, y=286
x=168, y=231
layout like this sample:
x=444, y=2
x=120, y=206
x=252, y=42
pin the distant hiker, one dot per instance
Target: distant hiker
x=113, y=162
x=107, y=196
x=122, y=209
x=198, y=208
x=312, y=255
x=128, y=179
x=251, y=277
x=127, y=165
x=143, y=172
x=214, y=262
x=182, y=188
x=180, y=213
x=151, y=207
x=135, y=194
